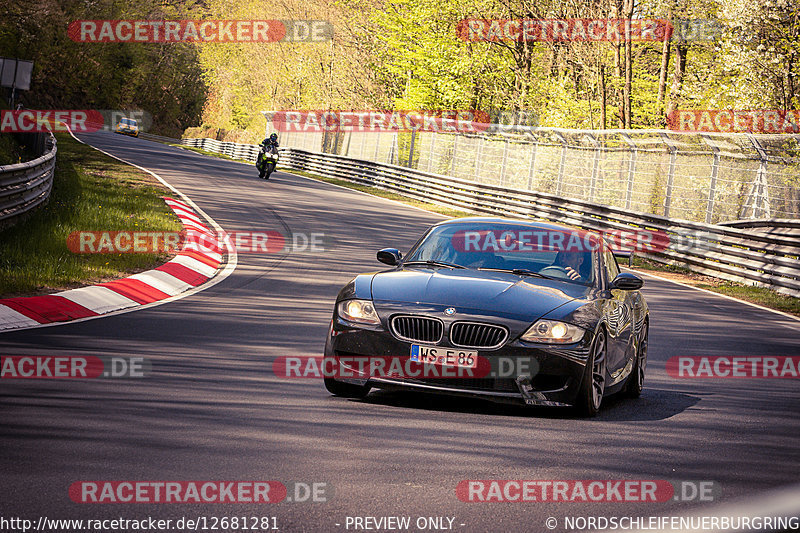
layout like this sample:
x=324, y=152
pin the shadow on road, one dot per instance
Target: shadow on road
x=654, y=404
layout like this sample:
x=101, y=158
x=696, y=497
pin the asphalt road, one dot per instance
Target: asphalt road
x=213, y=410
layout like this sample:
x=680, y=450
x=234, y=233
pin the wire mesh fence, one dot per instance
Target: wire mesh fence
x=711, y=178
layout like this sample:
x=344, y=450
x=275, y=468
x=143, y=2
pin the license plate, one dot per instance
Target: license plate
x=435, y=355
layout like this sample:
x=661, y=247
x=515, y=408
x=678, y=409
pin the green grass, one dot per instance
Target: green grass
x=640, y=262
x=91, y=192
x=757, y=295
x=11, y=152
x=206, y=152
x=446, y=211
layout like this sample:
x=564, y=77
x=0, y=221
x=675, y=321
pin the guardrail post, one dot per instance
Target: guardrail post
x=453, y=159
x=712, y=188
x=631, y=170
x=505, y=163
x=532, y=167
x=479, y=157
x=561, y=164
x=377, y=146
x=411, y=149
x=430, y=155
x=595, y=166
x=759, y=191
x=394, y=150
x=673, y=154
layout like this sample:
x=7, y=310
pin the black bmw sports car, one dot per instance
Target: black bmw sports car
x=508, y=310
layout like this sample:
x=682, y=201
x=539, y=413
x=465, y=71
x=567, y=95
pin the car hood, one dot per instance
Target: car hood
x=494, y=292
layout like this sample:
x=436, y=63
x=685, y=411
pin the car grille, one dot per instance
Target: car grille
x=474, y=335
x=418, y=328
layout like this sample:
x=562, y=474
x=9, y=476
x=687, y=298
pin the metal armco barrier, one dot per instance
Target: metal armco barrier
x=25, y=186
x=755, y=256
x=247, y=152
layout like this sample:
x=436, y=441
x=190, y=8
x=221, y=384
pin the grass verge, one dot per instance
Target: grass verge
x=11, y=152
x=91, y=192
x=205, y=152
x=446, y=211
x=756, y=295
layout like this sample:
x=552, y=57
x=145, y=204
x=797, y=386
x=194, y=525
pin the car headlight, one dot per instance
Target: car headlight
x=553, y=332
x=360, y=311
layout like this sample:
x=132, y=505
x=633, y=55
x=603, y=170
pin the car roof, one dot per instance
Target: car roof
x=530, y=223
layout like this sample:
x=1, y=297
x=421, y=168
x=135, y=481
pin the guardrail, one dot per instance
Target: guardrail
x=751, y=256
x=703, y=177
x=25, y=186
x=247, y=152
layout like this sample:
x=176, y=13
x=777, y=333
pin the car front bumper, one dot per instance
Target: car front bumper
x=522, y=373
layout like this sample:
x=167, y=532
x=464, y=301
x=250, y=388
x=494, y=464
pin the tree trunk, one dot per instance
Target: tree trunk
x=618, y=67
x=603, y=97
x=677, y=76
x=662, y=75
x=628, y=63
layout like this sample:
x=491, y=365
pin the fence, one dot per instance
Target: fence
x=25, y=186
x=709, y=178
x=768, y=255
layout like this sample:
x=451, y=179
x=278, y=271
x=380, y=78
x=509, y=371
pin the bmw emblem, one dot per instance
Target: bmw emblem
x=450, y=311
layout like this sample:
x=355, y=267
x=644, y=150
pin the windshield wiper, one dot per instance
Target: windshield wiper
x=518, y=272
x=433, y=263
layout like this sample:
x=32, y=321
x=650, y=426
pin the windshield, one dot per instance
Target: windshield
x=565, y=255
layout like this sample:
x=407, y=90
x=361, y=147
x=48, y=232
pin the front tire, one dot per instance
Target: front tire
x=270, y=169
x=346, y=390
x=593, y=383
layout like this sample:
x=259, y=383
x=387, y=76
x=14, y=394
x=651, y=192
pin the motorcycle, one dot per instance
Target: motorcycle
x=267, y=161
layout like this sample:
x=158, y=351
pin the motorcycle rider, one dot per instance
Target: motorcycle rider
x=271, y=141
x=268, y=145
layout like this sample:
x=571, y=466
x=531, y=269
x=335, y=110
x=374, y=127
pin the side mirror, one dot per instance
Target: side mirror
x=625, y=281
x=390, y=256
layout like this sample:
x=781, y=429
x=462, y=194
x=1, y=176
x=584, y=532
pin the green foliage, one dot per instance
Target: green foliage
x=91, y=192
x=406, y=54
x=162, y=79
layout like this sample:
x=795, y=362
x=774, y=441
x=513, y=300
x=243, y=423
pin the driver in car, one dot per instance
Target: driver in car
x=571, y=263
